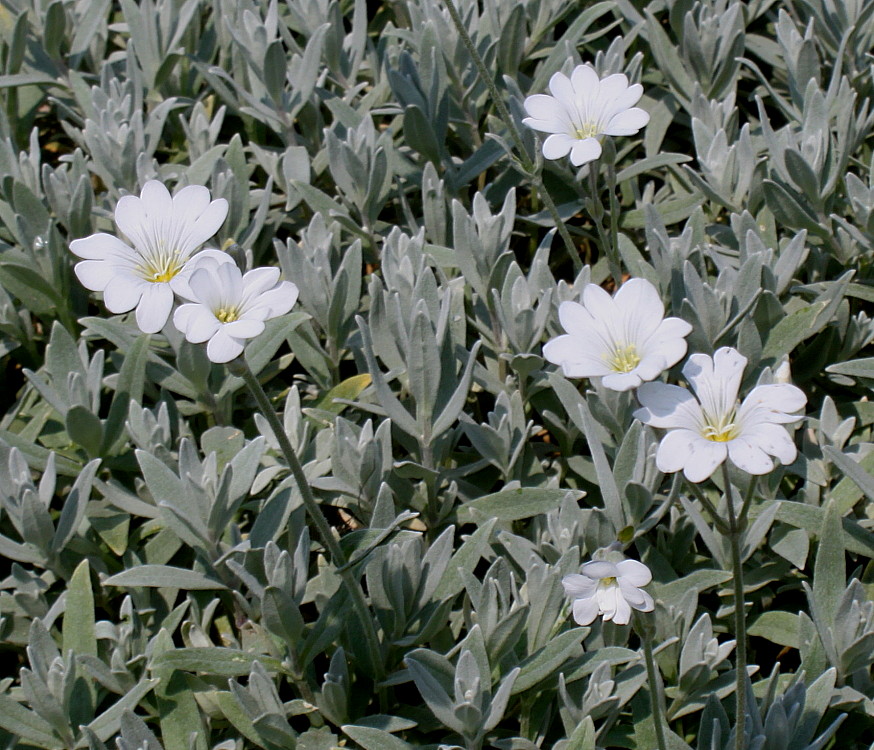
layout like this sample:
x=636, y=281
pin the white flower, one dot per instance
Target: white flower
x=705, y=430
x=228, y=308
x=610, y=590
x=582, y=108
x=164, y=232
x=625, y=339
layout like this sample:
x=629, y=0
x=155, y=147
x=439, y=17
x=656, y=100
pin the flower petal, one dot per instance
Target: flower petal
x=123, y=292
x=574, y=318
x=95, y=274
x=181, y=282
x=628, y=98
x=716, y=381
x=631, y=594
x=599, y=303
x=578, y=586
x=628, y=122
x=223, y=348
x=585, y=610
x=705, y=457
x=622, y=381
x=259, y=280
x=776, y=397
x=547, y=114
x=244, y=329
x=675, y=449
x=561, y=87
x=155, y=199
x=207, y=224
x=279, y=300
x=154, y=307
x=623, y=611
x=668, y=406
x=133, y=221
x=634, y=572
x=584, y=151
x=641, y=311
x=640, y=297
x=102, y=246
x=575, y=360
x=773, y=439
x=651, y=366
x=613, y=86
x=585, y=80
x=230, y=280
x=558, y=145
x=189, y=203
x=749, y=457
x=648, y=604
x=600, y=569
x=196, y=322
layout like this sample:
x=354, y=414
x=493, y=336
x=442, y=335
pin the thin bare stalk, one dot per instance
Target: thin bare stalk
x=740, y=626
x=645, y=629
x=241, y=368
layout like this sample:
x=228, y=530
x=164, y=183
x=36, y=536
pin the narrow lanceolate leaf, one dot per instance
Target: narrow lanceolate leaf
x=371, y=738
x=164, y=576
x=394, y=409
x=513, y=505
x=27, y=725
x=864, y=481
x=220, y=662
x=78, y=628
x=434, y=695
x=564, y=647
x=131, y=381
x=829, y=572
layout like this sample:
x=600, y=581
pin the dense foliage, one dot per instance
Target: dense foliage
x=160, y=586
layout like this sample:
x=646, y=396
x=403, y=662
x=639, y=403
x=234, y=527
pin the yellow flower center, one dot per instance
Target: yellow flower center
x=623, y=358
x=228, y=314
x=608, y=581
x=161, y=268
x=587, y=130
x=722, y=429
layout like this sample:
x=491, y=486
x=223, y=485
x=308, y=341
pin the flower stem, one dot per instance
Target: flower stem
x=613, y=250
x=717, y=519
x=645, y=629
x=596, y=211
x=532, y=171
x=240, y=367
x=740, y=628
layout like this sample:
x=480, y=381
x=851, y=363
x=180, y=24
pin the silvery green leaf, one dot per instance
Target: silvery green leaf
x=393, y=407
x=563, y=648
x=74, y=508
x=581, y=416
x=436, y=698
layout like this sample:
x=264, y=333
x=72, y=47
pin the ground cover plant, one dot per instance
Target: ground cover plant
x=436, y=374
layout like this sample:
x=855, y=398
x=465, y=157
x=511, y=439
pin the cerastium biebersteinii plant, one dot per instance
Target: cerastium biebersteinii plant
x=436, y=374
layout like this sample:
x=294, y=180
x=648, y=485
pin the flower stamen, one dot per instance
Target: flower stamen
x=623, y=358
x=228, y=314
x=722, y=429
x=160, y=268
x=587, y=130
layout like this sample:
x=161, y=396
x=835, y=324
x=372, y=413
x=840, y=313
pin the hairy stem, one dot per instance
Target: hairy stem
x=241, y=368
x=717, y=519
x=645, y=629
x=613, y=250
x=740, y=627
x=504, y=113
